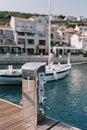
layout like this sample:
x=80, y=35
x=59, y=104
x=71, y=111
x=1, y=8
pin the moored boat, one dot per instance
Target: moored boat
x=58, y=71
x=53, y=72
x=10, y=76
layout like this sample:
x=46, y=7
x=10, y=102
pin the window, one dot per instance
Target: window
x=30, y=34
x=8, y=41
x=51, y=35
x=30, y=51
x=52, y=44
x=21, y=41
x=8, y=33
x=57, y=36
x=41, y=42
x=41, y=34
x=30, y=41
x=21, y=33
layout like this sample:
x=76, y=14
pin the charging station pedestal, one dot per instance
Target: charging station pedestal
x=33, y=92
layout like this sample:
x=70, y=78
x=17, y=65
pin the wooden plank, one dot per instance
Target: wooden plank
x=4, y=105
x=21, y=126
x=8, y=118
x=5, y=124
x=9, y=103
x=63, y=126
x=10, y=115
x=11, y=118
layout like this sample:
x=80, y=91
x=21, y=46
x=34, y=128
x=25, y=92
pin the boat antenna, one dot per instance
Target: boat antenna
x=49, y=29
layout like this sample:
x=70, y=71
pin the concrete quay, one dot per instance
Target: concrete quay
x=21, y=59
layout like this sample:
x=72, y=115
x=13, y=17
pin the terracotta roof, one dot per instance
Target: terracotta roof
x=7, y=27
x=71, y=31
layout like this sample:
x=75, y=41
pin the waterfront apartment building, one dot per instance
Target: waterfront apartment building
x=79, y=41
x=30, y=35
x=25, y=35
x=7, y=43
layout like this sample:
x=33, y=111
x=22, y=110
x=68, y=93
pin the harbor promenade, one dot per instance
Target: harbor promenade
x=21, y=59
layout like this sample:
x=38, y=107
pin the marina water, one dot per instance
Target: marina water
x=66, y=98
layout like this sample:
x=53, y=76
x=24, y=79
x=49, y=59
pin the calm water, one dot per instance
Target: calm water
x=67, y=98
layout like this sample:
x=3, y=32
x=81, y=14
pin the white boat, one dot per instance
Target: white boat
x=55, y=71
x=10, y=76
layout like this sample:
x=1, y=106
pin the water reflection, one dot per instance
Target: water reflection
x=67, y=98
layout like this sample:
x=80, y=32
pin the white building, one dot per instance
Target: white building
x=30, y=35
x=70, y=18
x=80, y=18
x=79, y=41
x=81, y=29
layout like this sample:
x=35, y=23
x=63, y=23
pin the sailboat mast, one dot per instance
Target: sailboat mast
x=49, y=29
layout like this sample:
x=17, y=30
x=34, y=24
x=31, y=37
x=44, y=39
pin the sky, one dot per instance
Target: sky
x=58, y=7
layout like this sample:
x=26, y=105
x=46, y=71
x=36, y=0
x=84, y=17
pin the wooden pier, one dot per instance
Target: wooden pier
x=11, y=118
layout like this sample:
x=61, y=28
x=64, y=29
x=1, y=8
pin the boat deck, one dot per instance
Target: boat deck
x=11, y=118
x=12, y=71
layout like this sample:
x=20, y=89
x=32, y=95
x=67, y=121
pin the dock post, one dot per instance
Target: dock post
x=33, y=92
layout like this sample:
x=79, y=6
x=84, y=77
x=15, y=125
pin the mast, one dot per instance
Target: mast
x=49, y=29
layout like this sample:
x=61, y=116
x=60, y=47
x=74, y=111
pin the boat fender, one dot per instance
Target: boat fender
x=42, y=110
x=44, y=99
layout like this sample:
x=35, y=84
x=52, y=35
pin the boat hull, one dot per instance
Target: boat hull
x=10, y=76
x=59, y=74
x=10, y=80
